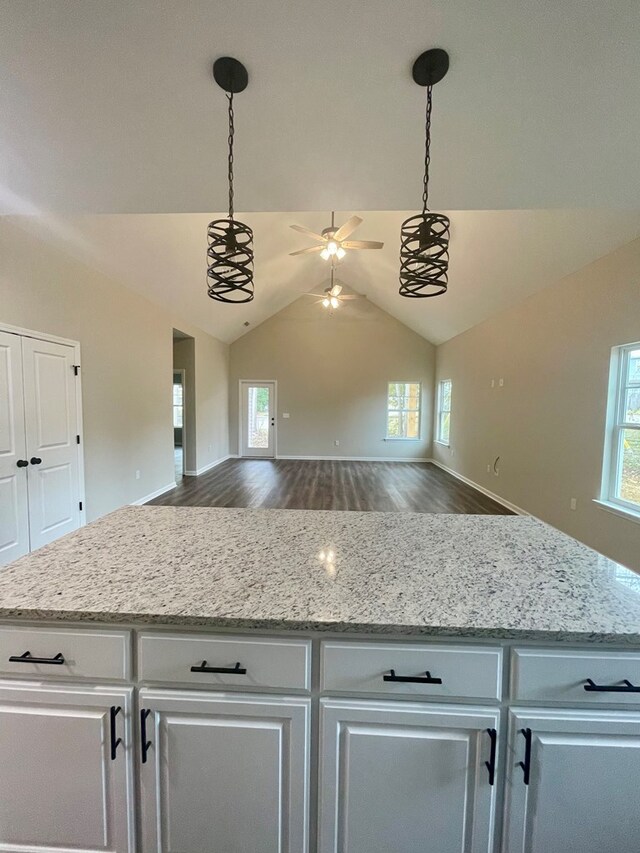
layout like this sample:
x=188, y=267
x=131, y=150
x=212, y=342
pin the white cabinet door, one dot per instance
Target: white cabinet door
x=60, y=788
x=14, y=506
x=583, y=794
x=224, y=773
x=406, y=777
x=51, y=424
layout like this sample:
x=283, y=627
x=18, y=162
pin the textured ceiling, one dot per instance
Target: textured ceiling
x=110, y=106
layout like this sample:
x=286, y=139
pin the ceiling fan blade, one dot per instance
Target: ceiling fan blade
x=336, y=290
x=362, y=244
x=307, y=251
x=309, y=233
x=349, y=296
x=349, y=226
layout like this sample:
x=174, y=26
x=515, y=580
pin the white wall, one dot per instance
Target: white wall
x=127, y=345
x=547, y=423
x=332, y=374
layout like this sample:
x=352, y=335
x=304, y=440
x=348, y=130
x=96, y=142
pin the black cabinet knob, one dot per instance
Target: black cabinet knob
x=22, y=463
x=35, y=460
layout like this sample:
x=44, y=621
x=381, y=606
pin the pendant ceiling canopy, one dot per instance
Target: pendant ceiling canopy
x=230, y=249
x=424, y=238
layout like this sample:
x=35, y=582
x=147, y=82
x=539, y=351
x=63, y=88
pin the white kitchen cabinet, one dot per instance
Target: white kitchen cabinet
x=582, y=794
x=400, y=776
x=65, y=781
x=224, y=773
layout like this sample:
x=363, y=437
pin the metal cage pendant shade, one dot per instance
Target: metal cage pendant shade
x=230, y=249
x=424, y=238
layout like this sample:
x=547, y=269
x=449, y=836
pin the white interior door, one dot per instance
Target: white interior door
x=582, y=793
x=257, y=419
x=14, y=504
x=224, y=773
x=405, y=777
x=61, y=786
x=51, y=419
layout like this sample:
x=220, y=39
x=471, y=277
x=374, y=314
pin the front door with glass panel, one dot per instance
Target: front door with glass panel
x=257, y=419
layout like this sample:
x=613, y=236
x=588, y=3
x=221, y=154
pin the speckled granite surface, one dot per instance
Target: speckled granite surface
x=403, y=573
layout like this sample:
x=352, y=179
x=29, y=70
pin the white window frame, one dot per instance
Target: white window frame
x=440, y=411
x=419, y=410
x=616, y=423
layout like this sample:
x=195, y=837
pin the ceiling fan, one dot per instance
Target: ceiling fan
x=333, y=296
x=333, y=241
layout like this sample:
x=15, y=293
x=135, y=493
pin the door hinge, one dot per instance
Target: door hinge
x=80, y=504
x=76, y=369
x=77, y=439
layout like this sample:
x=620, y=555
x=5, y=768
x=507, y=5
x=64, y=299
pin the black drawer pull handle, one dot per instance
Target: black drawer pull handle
x=35, y=460
x=526, y=764
x=115, y=741
x=427, y=678
x=26, y=657
x=229, y=670
x=491, y=763
x=625, y=687
x=22, y=463
x=145, y=745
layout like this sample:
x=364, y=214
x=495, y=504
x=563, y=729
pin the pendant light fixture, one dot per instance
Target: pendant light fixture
x=424, y=239
x=230, y=250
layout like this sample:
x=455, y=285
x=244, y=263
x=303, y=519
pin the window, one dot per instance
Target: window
x=444, y=411
x=621, y=480
x=403, y=410
x=177, y=404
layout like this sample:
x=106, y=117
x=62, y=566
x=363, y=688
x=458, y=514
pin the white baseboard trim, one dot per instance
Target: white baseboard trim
x=211, y=465
x=153, y=495
x=518, y=510
x=360, y=458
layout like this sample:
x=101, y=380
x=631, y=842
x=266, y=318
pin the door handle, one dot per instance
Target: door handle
x=35, y=460
x=22, y=463
x=27, y=657
x=115, y=740
x=526, y=764
x=145, y=745
x=427, y=678
x=491, y=763
x=230, y=670
x=625, y=687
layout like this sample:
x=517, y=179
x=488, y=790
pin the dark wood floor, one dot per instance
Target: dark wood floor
x=293, y=484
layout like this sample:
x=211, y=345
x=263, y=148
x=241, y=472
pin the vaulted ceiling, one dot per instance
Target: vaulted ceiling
x=497, y=259
x=110, y=108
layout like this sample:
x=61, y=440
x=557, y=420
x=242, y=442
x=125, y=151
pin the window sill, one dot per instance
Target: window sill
x=623, y=512
x=441, y=443
x=393, y=438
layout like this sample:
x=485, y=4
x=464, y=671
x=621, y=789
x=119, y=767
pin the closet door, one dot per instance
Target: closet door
x=14, y=508
x=51, y=427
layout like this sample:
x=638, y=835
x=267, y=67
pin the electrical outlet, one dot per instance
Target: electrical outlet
x=337, y=443
x=573, y=503
x=493, y=383
x=285, y=414
x=488, y=469
x=501, y=383
x=137, y=475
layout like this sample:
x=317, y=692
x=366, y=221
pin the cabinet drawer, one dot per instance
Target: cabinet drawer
x=473, y=672
x=561, y=676
x=262, y=662
x=64, y=653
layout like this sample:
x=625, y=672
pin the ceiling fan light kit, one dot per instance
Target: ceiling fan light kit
x=230, y=243
x=424, y=238
x=333, y=241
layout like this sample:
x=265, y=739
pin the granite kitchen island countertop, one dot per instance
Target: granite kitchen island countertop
x=364, y=572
